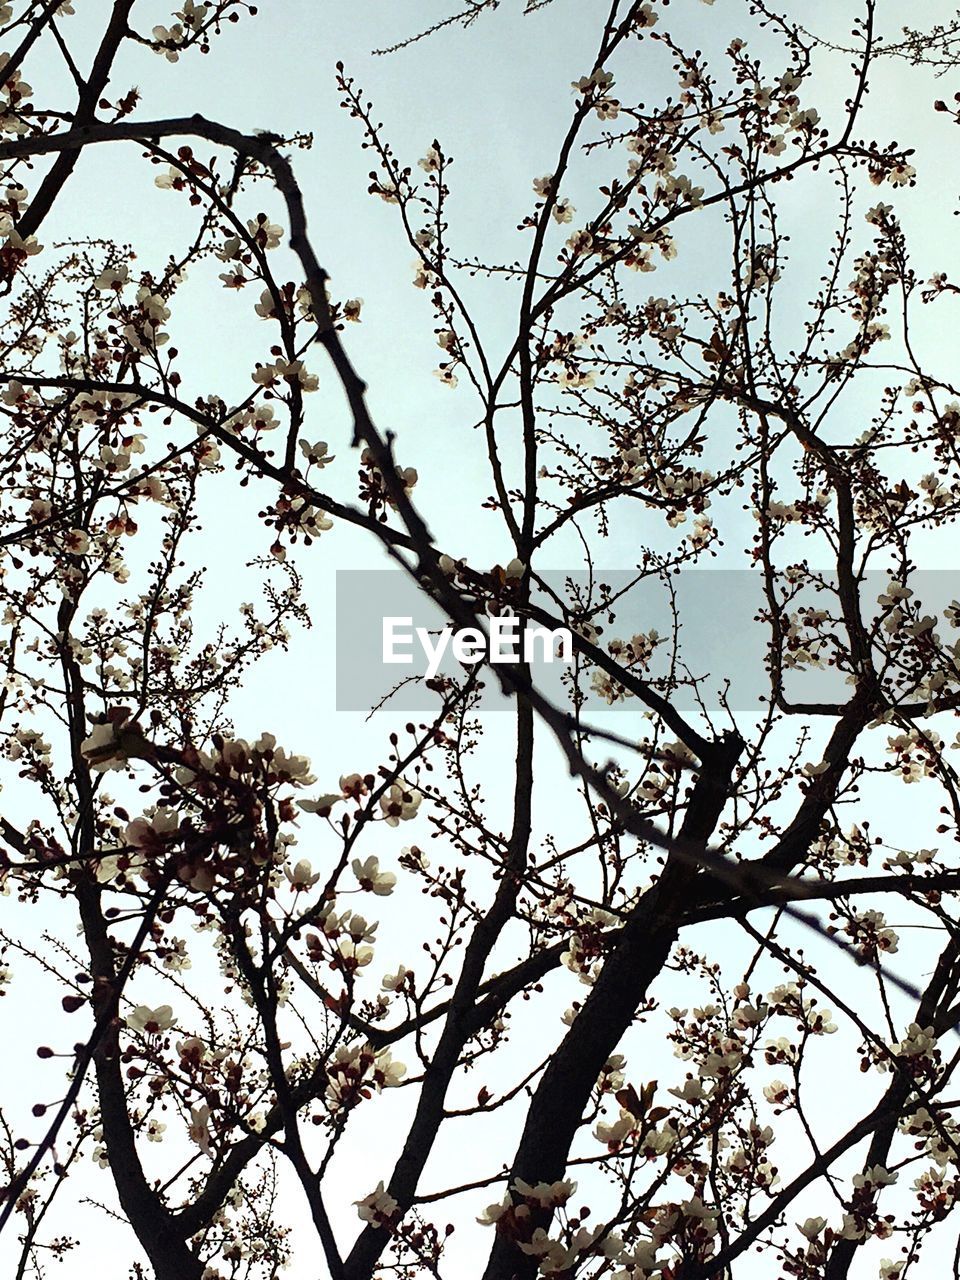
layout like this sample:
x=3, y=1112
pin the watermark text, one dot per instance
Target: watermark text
x=468, y=645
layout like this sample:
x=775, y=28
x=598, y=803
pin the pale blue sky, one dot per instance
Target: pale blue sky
x=498, y=97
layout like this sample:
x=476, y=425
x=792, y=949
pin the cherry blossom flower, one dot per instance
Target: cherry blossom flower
x=400, y=804
x=378, y=1207
x=271, y=375
x=264, y=232
x=302, y=876
x=598, y=79
x=901, y=174
x=113, y=277
x=150, y=832
x=104, y=749
x=615, y=1134
x=316, y=454
x=19, y=247
x=580, y=243
x=192, y=14
x=546, y=1194
x=646, y=16
x=151, y=1021
x=77, y=542
x=352, y=955
x=371, y=878
x=168, y=41
x=265, y=308
x=431, y=161
x=321, y=805
x=494, y=1212
x=423, y=277
x=563, y=211
x=199, y=1129
x=353, y=786
x=395, y=981
x=812, y=1227
x=414, y=858
x=875, y=1176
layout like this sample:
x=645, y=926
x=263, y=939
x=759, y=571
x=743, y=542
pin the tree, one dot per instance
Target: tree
x=734, y=861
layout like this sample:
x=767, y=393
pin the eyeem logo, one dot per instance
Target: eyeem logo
x=469, y=645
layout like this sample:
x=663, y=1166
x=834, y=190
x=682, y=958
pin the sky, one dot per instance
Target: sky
x=497, y=97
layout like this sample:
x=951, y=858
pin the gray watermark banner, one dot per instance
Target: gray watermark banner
x=701, y=637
